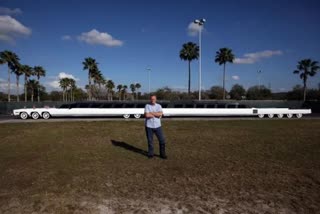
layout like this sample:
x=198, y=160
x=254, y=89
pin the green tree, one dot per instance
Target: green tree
x=223, y=56
x=124, y=91
x=18, y=72
x=39, y=72
x=133, y=89
x=138, y=86
x=91, y=65
x=258, y=93
x=64, y=83
x=12, y=60
x=216, y=92
x=32, y=85
x=237, y=92
x=27, y=71
x=119, y=88
x=306, y=68
x=110, y=86
x=189, y=52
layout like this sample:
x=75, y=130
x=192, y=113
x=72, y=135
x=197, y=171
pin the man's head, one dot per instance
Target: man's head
x=153, y=99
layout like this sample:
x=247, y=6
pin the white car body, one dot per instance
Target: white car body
x=137, y=112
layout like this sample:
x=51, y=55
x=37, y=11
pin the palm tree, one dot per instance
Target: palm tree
x=32, y=85
x=91, y=65
x=110, y=86
x=119, y=87
x=27, y=71
x=305, y=68
x=138, y=86
x=18, y=72
x=39, y=72
x=223, y=56
x=133, y=89
x=12, y=60
x=124, y=91
x=63, y=83
x=189, y=52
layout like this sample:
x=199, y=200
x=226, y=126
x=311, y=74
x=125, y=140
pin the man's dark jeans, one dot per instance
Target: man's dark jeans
x=159, y=134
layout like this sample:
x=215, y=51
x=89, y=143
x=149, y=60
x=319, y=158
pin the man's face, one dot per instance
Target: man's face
x=153, y=99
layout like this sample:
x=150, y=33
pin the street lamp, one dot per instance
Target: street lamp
x=200, y=23
x=149, y=70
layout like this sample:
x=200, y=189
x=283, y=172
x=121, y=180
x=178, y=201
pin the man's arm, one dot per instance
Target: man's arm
x=157, y=114
x=148, y=115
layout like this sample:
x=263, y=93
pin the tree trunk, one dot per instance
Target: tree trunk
x=17, y=78
x=304, y=88
x=224, y=79
x=189, y=81
x=25, y=88
x=89, y=78
x=32, y=94
x=9, y=84
x=38, y=89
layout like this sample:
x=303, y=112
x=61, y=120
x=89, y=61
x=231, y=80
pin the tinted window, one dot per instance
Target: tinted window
x=140, y=105
x=129, y=105
x=73, y=105
x=64, y=106
x=211, y=105
x=96, y=105
x=221, y=106
x=200, y=106
x=83, y=105
x=118, y=105
x=178, y=106
x=106, y=105
x=232, y=106
x=164, y=105
x=189, y=106
x=242, y=106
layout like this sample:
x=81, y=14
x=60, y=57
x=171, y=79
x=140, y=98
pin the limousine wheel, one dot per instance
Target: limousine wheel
x=270, y=115
x=137, y=116
x=126, y=116
x=298, y=115
x=23, y=115
x=35, y=115
x=46, y=115
x=280, y=115
x=289, y=115
x=261, y=115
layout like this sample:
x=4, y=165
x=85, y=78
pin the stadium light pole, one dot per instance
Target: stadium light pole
x=200, y=23
x=149, y=70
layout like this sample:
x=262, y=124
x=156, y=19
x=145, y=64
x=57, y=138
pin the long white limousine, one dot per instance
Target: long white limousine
x=126, y=110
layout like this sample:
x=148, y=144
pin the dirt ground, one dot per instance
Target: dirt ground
x=270, y=166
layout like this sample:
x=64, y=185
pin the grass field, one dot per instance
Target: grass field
x=270, y=166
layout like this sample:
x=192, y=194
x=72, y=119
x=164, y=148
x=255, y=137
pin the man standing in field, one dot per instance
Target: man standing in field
x=153, y=114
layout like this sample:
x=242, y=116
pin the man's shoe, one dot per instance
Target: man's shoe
x=150, y=156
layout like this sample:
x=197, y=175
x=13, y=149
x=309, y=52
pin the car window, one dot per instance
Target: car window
x=96, y=105
x=83, y=105
x=64, y=106
x=106, y=105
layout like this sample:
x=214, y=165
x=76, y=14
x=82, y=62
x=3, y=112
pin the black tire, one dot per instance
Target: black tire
x=24, y=115
x=46, y=115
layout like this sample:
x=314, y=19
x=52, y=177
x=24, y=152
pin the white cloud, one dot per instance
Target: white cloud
x=4, y=86
x=11, y=28
x=251, y=58
x=54, y=83
x=65, y=75
x=66, y=37
x=8, y=11
x=193, y=29
x=235, y=77
x=94, y=37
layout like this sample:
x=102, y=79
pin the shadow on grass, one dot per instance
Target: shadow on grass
x=129, y=147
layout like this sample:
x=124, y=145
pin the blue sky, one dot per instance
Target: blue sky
x=126, y=37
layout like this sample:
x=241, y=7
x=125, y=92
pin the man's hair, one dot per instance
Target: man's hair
x=153, y=95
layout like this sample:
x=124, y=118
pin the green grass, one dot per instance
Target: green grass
x=213, y=166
